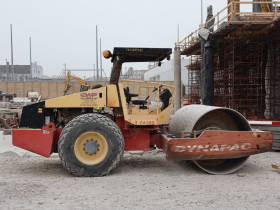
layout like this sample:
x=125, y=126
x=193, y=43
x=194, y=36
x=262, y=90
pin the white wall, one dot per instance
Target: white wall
x=37, y=71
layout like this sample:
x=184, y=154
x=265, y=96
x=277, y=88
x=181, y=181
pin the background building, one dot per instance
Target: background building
x=165, y=72
x=134, y=74
x=21, y=72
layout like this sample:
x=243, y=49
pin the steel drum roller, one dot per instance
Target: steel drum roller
x=200, y=117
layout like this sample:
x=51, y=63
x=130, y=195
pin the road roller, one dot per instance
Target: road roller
x=90, y=130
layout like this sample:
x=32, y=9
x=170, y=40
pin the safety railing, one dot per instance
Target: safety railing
x=232, y=16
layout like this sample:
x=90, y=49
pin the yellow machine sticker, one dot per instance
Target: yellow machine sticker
x=88, y=99
x=40, y=110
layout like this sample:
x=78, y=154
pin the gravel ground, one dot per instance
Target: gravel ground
x=145, y=181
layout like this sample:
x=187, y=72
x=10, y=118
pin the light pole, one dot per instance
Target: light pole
x=201, y=12
x=12, y=59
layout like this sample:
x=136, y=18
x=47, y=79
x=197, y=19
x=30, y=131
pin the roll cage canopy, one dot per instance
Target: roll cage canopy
x=132, y=54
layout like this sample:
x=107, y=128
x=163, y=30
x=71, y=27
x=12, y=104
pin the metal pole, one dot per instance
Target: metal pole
x=201, y=12
x=97, y=54
x=30, y=58
x=12, y=53
x=100, y=60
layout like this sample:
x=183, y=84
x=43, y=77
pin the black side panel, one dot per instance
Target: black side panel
x=207, y=71
x=33, y=116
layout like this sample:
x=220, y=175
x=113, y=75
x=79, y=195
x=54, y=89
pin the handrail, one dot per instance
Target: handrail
x=192, y=37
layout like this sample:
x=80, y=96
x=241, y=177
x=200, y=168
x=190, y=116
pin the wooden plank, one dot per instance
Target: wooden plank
x=218, y=145
x=275, y=166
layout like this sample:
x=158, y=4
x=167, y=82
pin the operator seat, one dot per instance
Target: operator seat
x=129, y=95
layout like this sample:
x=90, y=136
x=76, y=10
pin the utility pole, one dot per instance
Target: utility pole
x=30, y=58
x=97, y=54
x=12, y=53
x=100, y=60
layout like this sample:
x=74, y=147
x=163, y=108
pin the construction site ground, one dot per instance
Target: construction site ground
x=142, y=181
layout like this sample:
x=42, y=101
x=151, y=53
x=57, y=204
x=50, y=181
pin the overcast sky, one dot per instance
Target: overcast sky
x=63, y=31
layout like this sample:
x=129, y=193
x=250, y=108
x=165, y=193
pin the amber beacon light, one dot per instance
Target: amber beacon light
x=107, y=54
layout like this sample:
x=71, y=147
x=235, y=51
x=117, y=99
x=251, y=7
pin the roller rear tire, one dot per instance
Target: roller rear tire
x=91, y=145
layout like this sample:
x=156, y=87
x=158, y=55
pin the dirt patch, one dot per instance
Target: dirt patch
x=146, y=181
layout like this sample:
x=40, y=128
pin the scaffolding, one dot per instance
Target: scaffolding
x=246, y=78
x=246, y=63
x=194, y=79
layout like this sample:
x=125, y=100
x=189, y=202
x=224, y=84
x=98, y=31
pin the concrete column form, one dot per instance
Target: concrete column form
x=177, y=80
